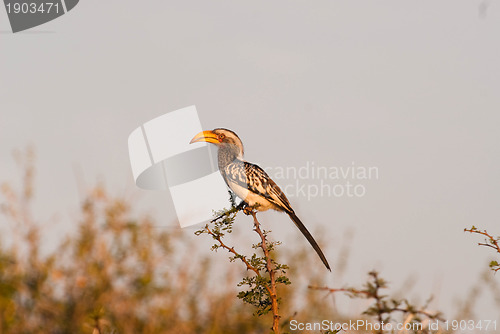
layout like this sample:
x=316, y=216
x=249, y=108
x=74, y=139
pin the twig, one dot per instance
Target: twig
x=416, y=312
x=254, y=264
x=233, y=209
x=378, y=298
x=383, y=307
x=330, y=290
x=493, y=243
x=231, y=250
x=272, y=275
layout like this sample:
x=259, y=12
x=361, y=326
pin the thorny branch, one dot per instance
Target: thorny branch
x=490, y=241
x=231, y=250
x=272, y=273
x=383, y=307
x=260, y=285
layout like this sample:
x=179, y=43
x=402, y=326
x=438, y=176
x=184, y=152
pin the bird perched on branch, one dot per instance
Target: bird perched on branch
x=250, y=182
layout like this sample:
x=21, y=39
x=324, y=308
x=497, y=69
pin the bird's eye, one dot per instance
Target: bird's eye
x=221, y=136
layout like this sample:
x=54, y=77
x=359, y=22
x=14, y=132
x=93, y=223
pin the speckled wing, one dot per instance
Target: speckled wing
x=244, y=175
x=256, y=180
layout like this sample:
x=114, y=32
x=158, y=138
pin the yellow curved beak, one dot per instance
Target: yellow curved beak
x=207, y=136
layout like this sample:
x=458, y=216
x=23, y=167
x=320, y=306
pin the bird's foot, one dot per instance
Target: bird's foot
x=248, y=210
x=241, y=206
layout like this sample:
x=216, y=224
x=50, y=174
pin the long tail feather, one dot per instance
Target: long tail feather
x=309, y=238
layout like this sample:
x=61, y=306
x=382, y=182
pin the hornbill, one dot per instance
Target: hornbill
x=250, y=182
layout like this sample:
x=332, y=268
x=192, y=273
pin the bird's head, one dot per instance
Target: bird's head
x=225, y=139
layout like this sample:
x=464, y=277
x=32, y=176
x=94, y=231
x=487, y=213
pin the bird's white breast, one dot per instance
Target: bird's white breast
x=251, y=198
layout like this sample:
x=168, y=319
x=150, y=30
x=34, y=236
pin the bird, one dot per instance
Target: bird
x=250, y=182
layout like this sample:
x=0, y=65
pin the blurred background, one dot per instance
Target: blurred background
x=411, y=89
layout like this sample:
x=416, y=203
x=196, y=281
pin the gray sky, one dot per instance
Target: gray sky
x=411, y=88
